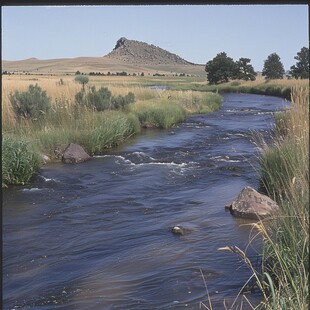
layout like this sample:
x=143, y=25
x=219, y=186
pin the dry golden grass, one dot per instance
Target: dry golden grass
x=57, y=92
x=96, y=64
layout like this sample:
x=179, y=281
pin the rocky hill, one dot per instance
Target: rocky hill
x=128, y=55
x=142, y=53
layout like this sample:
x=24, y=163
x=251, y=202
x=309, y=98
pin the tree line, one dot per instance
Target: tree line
x=222, y=68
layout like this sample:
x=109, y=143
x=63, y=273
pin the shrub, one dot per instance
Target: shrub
x=32, y=104
x=120, y=102
x=102, y=99
x=19, y=160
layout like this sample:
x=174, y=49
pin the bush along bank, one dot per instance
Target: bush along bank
x=285, y=175
x=95, y=119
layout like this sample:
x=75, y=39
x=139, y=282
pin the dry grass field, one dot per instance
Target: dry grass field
x=96, y=64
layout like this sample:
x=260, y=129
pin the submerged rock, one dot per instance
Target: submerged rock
x=180, y=230
x=74, y=154
x=251, y=204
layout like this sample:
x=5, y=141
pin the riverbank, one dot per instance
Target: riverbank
x=69, y=122
x=279, y=88
x=285, y=175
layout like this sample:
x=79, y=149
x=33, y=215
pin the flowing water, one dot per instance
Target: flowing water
x=98, y=235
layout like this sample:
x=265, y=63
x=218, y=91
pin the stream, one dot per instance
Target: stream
x=98, y=235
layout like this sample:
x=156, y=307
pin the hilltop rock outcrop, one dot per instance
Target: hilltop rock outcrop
x=142, y=53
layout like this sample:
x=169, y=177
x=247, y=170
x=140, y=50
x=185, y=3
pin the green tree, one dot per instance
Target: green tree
x=220, y=69
x=244, y=70
x=82, y=80
x=273, y=67
x=301, y=69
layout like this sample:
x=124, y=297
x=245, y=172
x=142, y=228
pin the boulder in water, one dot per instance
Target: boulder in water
x=253, y=205
x=74, y=154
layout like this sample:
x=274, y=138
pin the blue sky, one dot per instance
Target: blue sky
x=195, y=32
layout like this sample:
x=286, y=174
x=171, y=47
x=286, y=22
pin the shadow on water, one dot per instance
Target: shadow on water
x=98, y=235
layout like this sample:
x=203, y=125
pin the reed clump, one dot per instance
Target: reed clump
x=20, y=160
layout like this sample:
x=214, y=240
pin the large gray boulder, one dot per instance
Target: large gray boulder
x=74, y=154
x=253, y=205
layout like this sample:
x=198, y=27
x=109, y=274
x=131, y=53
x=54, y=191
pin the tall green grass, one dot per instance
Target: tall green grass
x=20, y=160
x=95, y=131
x=159, y=114
x=285, y=175
x=195, y=102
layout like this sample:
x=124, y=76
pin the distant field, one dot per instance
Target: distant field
x=96, y=64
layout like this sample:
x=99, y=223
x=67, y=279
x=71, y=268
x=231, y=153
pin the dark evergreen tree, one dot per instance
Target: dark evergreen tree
x=273, y=67
x=220, y=69
x=301, y=69
x=244, y=70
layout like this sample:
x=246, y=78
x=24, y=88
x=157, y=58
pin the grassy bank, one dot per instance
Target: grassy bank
x=67, y=121
x=285, y=175
x=280, y=88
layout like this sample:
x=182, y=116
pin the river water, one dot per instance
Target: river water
x=98, y=235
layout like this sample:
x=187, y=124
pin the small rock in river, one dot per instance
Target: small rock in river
x=74, y=154
x=45, y=159
x=236, y=174
x=179, y=230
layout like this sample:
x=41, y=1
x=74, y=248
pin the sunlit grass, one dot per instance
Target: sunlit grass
x=158, y=114
x=285, y=175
